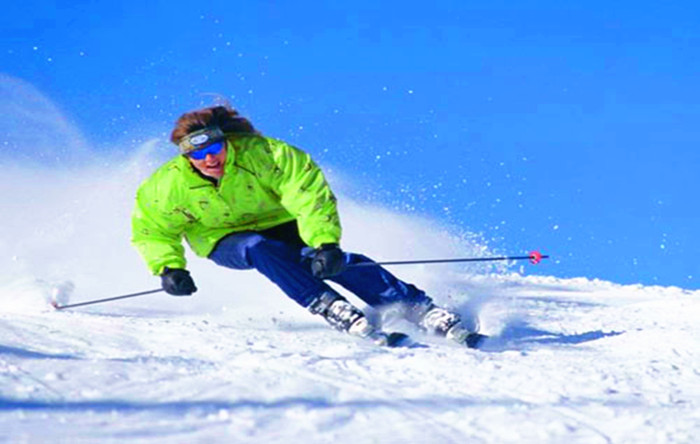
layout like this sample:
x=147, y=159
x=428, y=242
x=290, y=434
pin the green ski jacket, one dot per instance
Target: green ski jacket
x=266, y=182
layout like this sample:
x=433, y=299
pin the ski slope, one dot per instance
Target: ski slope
x=570, y=360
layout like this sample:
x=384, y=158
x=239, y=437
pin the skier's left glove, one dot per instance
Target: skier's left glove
x=328, y=260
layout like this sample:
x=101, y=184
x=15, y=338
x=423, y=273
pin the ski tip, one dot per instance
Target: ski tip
x=398, y=339
x=475, y=340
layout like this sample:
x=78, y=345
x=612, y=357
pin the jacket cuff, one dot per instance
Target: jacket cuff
x=325, y=238
x=158, y=269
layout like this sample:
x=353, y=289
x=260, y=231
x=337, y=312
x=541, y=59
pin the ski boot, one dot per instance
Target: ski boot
x=442, y=322
x=344, y=316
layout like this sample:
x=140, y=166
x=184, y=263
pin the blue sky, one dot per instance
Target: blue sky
x=567, y=128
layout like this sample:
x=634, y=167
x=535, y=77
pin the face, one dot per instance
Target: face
x=212, y=165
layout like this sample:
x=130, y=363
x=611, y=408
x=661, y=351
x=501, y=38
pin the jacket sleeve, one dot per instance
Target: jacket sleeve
x=155, y=236
x=305, y=194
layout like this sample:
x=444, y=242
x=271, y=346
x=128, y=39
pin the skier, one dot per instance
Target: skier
x=247, y=201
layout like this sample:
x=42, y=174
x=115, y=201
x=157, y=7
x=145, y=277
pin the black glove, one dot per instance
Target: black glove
x=327, y=261
x=177, y=282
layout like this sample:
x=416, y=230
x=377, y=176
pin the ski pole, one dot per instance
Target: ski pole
x=98, y=301
x=535, y=257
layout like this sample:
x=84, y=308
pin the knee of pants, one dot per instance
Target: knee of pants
x=232, y=251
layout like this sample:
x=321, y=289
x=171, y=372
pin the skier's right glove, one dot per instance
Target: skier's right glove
x=328, y=261
x=177, y=282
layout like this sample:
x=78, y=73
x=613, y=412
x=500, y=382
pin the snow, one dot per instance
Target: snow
x=570, y=360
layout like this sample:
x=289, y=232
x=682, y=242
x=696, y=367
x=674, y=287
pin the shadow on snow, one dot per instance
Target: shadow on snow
x=23, y=353
x=205, y=407
x=519, y=335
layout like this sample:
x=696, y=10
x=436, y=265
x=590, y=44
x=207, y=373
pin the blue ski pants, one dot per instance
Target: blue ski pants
x=277, y=254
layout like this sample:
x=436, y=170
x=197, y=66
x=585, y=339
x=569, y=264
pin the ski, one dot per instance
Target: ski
x=475, y=340
x=392, y=340
x=397, y=339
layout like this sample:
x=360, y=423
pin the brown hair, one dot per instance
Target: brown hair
x=223, y=117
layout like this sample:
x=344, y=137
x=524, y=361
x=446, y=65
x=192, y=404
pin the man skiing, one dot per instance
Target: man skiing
x=247, y=201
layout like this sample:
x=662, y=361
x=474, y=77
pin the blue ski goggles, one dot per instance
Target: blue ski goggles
x=213, y=149
x=200, y=140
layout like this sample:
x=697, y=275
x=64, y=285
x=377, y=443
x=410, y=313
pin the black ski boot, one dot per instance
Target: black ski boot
x=344, y=316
